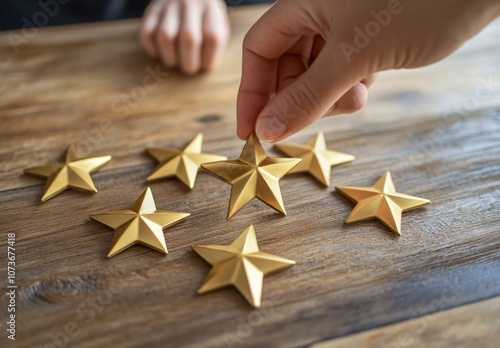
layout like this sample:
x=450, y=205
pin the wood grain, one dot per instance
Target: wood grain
x=77, y=84
x=479, y=326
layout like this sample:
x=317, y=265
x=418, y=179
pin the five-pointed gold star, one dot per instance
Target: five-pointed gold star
x=182, y=164
x=241, y=265
x=142, y=224
x=317, y=160
x=253, y=175
x=382, y=202
x=69, y=172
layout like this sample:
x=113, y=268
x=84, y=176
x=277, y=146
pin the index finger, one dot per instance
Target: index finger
x=271, y=36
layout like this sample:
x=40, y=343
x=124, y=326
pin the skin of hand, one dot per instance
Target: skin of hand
x=187, y=34
x=306, y=59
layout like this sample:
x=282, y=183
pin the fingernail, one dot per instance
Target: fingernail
x=334, y=106
x=269, y=128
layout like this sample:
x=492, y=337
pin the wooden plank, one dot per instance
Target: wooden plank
x=479, y=326
x=347, y=279
x=93, y=70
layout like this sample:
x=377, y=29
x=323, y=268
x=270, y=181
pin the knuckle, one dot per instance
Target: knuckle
x=165, y=37
x=246, y=40
x=189, y=38
x=146, y=34
x=299, y=103
x=168, y=61
x=209, y=65
x=189, y=70
x=189, y=67
x=352, y=103
x=213, y=39
x=249, y=42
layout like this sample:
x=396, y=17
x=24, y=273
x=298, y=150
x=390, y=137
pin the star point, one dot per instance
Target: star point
x=68, y=172
x=182, y=164
x=253, y=175
x=381, y=201
x=241, y=265
x=141, y=224
x=317, y=160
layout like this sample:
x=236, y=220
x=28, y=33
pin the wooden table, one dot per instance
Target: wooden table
x=436, y=129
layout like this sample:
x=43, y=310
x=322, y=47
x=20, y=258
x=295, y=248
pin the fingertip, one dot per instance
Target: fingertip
x=242, y=133
x=166, y=42
x=331, y=111
x=354, y=100
x=166, y=36
x=248, y=107
x=368, y=81
x=190, y=52
x=189, y=70
x=244, y=126
x=147, y=37
x=214, y=42
x=215, y=32
x=270, y=128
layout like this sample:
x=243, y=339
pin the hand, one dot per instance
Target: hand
x=307, y=59
x=189, y=34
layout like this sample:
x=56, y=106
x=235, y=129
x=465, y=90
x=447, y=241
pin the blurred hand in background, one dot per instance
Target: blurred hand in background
x=187, y=34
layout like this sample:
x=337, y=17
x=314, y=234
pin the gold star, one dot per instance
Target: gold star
x=241, y=265
x=142, y=224
x=317, y=160
x=382, y=202
x=69, y=172
x=253, y=175
x=182, y=164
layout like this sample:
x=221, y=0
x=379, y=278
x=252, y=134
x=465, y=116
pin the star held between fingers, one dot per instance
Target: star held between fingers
x=382, y=202
x=317, y=160
x=241, y=265
x=182, y=164
x=141, y=224
x=68, y=172
x=253, y=175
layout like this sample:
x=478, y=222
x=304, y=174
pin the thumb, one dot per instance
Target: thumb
x=310, y=97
